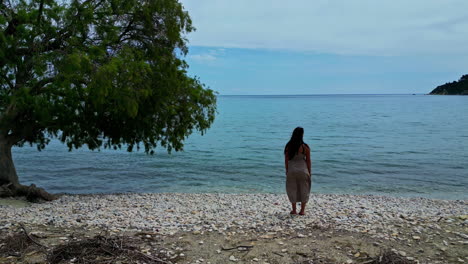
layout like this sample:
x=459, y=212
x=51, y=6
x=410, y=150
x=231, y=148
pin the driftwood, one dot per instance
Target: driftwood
x=238, y=247
x=32, y=192
x=30, y=238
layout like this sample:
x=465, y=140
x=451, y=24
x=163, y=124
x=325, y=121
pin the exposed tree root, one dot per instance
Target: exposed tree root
x=32, y=192
x=6, y=190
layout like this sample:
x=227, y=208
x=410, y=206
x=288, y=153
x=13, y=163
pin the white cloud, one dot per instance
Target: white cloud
x=361, y=27
x=209, y=56
x=202, y=57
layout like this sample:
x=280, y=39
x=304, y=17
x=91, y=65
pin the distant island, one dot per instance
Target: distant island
x=459, y=87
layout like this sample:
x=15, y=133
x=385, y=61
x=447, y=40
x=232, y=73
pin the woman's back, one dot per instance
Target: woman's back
x=298, y=163
x=298, y=170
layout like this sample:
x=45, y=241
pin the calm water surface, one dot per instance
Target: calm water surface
x=399, y=145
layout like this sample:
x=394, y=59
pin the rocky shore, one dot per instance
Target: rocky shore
x=195, y=228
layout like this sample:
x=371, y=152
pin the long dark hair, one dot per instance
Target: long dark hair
x=294, y=143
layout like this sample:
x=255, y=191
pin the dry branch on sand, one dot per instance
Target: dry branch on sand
x=14, y=245
x=389, y=257
x=385, y=257
x=100, y=249
x=17, y=243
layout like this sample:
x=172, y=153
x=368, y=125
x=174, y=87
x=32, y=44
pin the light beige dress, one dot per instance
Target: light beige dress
x=298, y=179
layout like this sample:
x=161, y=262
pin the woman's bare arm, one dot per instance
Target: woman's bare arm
x=308, y=161
x=286, y=159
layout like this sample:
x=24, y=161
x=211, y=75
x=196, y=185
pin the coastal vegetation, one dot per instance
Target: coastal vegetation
x=459, y=87
x=101, y=74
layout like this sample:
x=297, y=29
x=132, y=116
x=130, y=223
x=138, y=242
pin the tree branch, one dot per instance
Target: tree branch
x=14, y=138
x=3, y=9
x=98, y=4
x=40, y=84
x=11, y=28
x=7, y=81
x=26, y=131
x=57, y=44
x=41, y=6
x=127, y=29
x=8, y=111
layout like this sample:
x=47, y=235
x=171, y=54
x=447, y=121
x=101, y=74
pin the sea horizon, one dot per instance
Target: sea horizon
x=337, y=94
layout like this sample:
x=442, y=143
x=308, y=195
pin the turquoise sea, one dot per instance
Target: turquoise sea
x=400, y=145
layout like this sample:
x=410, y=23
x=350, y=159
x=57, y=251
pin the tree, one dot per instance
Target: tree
x=459, y=87
x=101, y=73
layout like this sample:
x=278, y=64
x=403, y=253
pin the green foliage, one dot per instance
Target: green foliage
x=101, y=73
x=459, y=87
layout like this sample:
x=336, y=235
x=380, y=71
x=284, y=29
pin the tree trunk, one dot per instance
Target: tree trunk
x=9, y=184
x=7, y=168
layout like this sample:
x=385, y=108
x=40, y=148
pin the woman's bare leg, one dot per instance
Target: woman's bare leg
x=302, y=212
x=293, y=208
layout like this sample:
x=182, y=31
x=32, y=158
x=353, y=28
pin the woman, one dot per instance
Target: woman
x=298, y=170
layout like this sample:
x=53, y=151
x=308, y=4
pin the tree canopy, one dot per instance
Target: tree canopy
x=459, y=87
x=101, y=73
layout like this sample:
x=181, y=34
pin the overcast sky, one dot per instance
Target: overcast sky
x=327, y=47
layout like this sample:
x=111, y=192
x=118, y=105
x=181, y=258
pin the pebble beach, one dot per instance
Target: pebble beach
x=381, y=219
x=169, y=213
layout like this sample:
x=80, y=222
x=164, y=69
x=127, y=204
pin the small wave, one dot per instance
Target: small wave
x=394, y=165
x=379, y=172
x=456, y=167
x=349, y=172
x=83, y=169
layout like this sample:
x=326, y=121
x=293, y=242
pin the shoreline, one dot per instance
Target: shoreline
x=438, y=227
x=371, y=194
